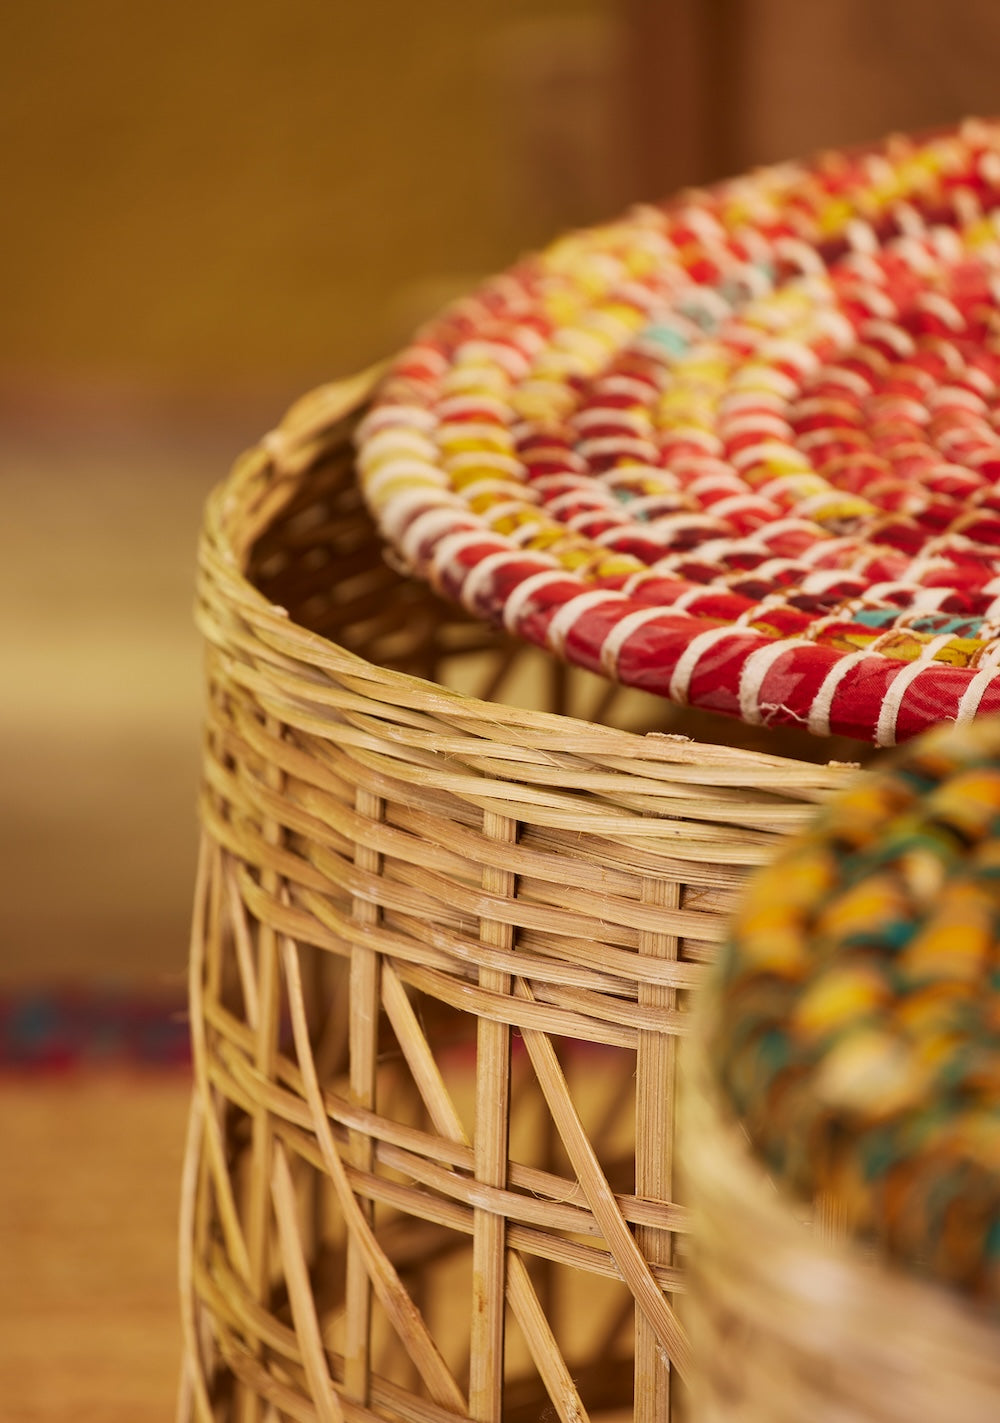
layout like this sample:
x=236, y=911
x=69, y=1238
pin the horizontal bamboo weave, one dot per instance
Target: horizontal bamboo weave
x=444, y=939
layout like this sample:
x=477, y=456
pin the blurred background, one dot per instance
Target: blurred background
x=211, y=208
x=208, y=209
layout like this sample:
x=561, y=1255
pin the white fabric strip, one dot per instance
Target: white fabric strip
x=447, y=549
x=885, y=732
x=412, y=470
x=480, y=574
x=486, y=459
x=819, y=712
x=492, y=486
x=974, y=693
x=919, y=600
x=385, y=416
x=514, y=362
x=755, y=669
x=433, y=527
x=513, y=609
x=454, y=405
x=391, y=441
x=735, y=503
x=397, y=515
x=622, y=631
x=693, y=595
x=562, y=624
x=680, y=681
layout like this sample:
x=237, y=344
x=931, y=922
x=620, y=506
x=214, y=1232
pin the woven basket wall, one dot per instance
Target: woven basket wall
x=443, y=946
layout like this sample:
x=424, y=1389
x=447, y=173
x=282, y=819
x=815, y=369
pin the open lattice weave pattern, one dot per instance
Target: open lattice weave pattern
x=440, y=955
x=740, y=450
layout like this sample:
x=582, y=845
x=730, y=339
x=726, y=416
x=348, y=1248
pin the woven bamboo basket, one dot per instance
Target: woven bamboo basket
x=452, y=900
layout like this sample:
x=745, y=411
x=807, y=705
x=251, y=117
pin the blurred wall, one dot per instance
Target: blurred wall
x=722, y=85
x=268, y=192
x=844, y=71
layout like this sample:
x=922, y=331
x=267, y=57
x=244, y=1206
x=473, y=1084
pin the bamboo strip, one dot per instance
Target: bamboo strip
x=654, y=1157
x=491, y=1148
x=523, y=1298
x=291, y=1404
x=524, y=1301
x=228, y=1299
x=454, y=1213
x=194, y=1397
x=257, y=1182
x=244, y=952
x=324, y=1397
x=419, y=1058
x=363, y=1049
x=208, y=860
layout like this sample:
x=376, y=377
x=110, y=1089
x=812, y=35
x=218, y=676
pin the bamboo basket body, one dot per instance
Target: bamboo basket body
x=442, y=953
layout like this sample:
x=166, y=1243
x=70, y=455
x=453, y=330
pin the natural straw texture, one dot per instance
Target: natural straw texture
x=740, y=450
x=441, y=954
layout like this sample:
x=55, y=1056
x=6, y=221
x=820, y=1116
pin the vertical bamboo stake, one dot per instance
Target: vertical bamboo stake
x=213, y=922
x=258, y=1207
x=307, y=1330
x=656, y=1062
x=193, y=1397
x=243, y=947
x=193, y=1402
x=214, y=1200
x=363, y=1040
x=491, y=1147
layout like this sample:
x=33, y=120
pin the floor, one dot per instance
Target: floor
x=88, y=1208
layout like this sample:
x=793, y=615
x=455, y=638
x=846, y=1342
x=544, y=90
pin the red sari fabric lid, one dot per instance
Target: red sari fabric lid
x=740, y=449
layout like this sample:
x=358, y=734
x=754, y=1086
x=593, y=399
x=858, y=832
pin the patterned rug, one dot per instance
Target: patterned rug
x=92, y=1026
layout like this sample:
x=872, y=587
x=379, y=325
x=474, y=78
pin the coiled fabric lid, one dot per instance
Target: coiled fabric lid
x=856, y=1017
x=740, y=449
